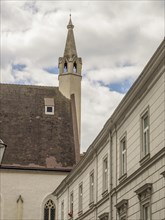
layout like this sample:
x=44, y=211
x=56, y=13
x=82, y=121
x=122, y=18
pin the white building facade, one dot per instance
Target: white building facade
x=122, y=175
x=24, y=193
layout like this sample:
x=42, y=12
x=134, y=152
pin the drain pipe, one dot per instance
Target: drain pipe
x=111, y=173
x=116, y=165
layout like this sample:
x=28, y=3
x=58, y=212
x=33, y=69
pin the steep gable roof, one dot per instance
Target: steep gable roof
x=33, y=138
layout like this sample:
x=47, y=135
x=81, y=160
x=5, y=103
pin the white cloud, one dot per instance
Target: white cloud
x=98, y=103
x=114, y=38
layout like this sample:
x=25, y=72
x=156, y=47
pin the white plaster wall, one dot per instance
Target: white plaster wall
x=33, y=186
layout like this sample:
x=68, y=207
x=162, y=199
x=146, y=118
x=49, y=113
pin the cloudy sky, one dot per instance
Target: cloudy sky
x=114, y=38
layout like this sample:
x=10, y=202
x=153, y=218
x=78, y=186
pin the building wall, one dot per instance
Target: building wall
x=141, y=171
x=71, y=84
x=35, y=187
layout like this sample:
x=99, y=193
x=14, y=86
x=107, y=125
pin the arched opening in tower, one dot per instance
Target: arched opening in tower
x=65, y=67
x=75, y=68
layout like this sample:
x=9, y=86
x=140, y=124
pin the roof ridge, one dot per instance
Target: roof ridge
x=12, y=84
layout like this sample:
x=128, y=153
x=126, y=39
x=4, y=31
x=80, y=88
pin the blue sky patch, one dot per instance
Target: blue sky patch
x=121, y=87
x=52, y=70
x=18, y=67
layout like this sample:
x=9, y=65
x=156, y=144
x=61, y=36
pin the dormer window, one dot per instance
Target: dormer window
x=49, y=110
x=49, y=106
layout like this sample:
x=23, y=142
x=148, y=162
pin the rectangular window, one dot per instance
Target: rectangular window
x=105, y=174
x=91, y=187
x=49, y=106
x=144, y=194
x=80, y=197
x=145, y=134
x=49, y=110
x=146, y=212
x=123, y=156
x=71, y=204
x=62, y=210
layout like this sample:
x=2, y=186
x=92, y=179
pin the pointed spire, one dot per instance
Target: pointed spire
x=70, y=25
x=70, y=47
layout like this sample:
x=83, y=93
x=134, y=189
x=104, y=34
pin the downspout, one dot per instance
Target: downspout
x=111, y=170
x=96, y=182
x=116, y=166
x=75, y=129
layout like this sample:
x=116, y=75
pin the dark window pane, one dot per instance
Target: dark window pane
x=52, y=214
x=49, y=109
x=46, y=214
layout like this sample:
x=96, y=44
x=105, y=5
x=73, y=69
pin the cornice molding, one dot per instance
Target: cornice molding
x=144, y=192
x=122, y=206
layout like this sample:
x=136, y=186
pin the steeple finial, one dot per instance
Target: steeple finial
x=70, y=47
x=70, y=25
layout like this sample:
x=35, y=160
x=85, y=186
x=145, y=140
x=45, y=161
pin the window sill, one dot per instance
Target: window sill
x=144, y=159
x=91, y=204
x=105, y=193
x=80, y=213
x=123, y=177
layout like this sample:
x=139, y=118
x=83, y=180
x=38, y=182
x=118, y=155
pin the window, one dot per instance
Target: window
x=145, y=134
x=91, y=190
x=146, y=212
x=71, y=205
x=49, y=106
x=62, y=210
x=105, y=174
x=49, y=210
x=80, y=197
x=65, y=67
x=122, y=208
x=123, y=157
x=144, y=194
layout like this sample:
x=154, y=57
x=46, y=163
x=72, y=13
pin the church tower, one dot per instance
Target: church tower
x=70, y=75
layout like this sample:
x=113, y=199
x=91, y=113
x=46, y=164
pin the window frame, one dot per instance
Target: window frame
x=143, y=207
x=91, y=187
x=62, y=210
x=80, y=205
x=123, y=154
x=49, y=217
x=46, y=110
x=145, y=133
x=71, y=204
x=105, y=174
x=144, y=194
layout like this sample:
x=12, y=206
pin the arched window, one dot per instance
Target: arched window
x=75, y=68
x=49, y=210
x=65, y=67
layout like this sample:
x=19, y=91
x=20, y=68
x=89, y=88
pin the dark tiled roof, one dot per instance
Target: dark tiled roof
x=33, y=138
